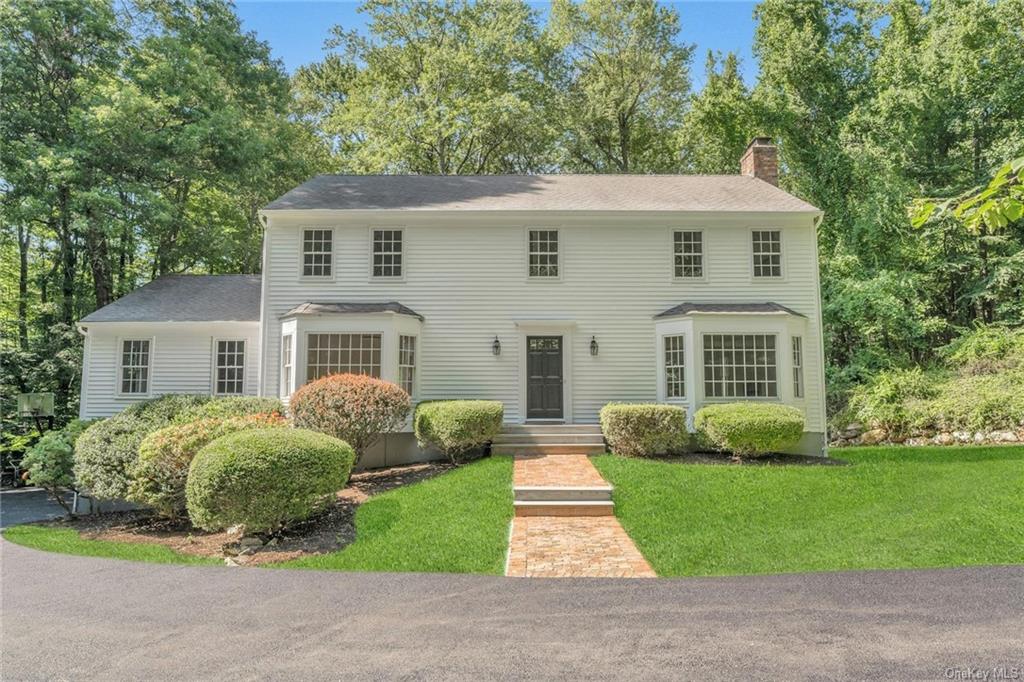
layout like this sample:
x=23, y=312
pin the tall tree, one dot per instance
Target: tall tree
x=720, y=121
x=624, y=85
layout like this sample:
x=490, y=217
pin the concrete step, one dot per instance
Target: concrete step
x=523, y=508
x=548, y=449
x=527, y=438
x=552, y=428
x=562, y=493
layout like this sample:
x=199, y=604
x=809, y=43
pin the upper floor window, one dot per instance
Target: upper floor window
x=407, y=363
x=675, y=371
x=798, y=367
x=767, y=250
x=342, y=354
x=543, y=253
x=286, y=365
x=135, y=364
x=740, y=366
x=688, y=247
x=317, y=253
x=387, y=253
x=230, y=367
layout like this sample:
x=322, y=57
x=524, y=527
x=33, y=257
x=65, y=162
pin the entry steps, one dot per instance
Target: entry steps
x=549, y=439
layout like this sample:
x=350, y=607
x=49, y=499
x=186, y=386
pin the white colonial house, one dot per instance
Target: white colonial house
x=554, y=294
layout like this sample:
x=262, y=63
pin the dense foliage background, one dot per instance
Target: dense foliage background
x=141, y=139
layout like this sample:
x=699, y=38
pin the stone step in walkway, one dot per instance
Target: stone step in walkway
x=564, y=523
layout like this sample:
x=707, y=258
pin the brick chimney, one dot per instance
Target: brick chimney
x=761, y=160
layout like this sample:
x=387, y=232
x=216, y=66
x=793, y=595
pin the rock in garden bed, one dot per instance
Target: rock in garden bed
x=328, y=532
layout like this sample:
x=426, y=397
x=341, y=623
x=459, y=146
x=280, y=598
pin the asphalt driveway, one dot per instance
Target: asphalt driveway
x=80, y=618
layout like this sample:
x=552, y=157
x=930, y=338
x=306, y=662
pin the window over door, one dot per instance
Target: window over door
x=387, y=253
x=407, y=363
x=229, y=367
x=286, y=365
x=135, y=365
x=767, y=253
x=342, y=354
x=675, y=370
x=318, y=253
x=740, y=366
x=798, y=367
x=688, y=254
x=543, y=253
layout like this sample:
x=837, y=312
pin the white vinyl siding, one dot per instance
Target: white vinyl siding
x=135, y=366
x=407, y=363
x=342, y=354
x=543, y=253
x=766, y=248
x=229, y=368
x=318, y=253
x=387, y=254
x=675, y=366
x=740, y=366
x=688, y=254
x=798, y=367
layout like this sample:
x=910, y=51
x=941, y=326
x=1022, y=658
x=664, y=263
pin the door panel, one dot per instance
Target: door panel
x=544, y=377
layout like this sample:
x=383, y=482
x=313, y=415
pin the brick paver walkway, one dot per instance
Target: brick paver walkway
x=569, y=546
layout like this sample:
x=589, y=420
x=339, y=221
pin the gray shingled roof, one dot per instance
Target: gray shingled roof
x=351, y=308
x=187, y=298
x=756, y=308
x=539, y=193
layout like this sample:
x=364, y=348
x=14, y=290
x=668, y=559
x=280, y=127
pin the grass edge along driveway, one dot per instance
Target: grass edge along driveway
x=892, y=508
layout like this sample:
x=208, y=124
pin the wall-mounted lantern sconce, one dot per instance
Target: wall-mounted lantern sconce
x=496, y=346
x=593, y=345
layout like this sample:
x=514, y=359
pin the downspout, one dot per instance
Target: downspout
x=86, y=361
x=262, y=366
x=822, y=402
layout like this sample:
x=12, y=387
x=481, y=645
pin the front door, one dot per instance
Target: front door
x=544, y=377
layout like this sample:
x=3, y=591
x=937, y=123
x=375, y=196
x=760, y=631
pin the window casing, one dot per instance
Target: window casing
x=387, y=254
x=135, y=365
x=286, y=364
x=740, y=366
x=675, y=369
x=798, y=367
x=688, y=254
x=318, y=253
x=407, y=363
x=543, y=253
x=229, y=367
x=766, y=247
x=332, y=353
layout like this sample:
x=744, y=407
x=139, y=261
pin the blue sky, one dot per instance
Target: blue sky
x=296, y=29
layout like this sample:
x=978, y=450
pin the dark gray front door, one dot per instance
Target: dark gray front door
x=544, y=377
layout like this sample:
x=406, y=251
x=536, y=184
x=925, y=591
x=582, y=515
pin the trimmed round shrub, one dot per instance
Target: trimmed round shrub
x=644, y=429
x=457, y=427
x=355, y=408
x=226, y=408
x=750, y=429
x=106, y=452
x=159, y=475
x=264, y=479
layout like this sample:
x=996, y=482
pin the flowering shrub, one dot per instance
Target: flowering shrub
x=159, y=475
x=644, y=429
x=457, y=427
x=748, y=429
x=352, y=407
x=264, y=479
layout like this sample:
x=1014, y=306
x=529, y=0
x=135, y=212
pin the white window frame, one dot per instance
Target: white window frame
x=703, y=254
x=302, y=255
x=372, y=253
x=410, y=366
x=799, y=386
x=287, y=365
x=380, y=348
x=559, y=261
x=782, y=255
x=681, y=365
x=704, y=368
x=121, y=366
x=214, y=366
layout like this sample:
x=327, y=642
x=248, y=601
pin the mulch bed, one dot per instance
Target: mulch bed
x=774, y=459
x=328, y=532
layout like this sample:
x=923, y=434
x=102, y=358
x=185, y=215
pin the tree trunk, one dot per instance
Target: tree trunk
x=23, y=244
x=68, y=257
x=98, y=249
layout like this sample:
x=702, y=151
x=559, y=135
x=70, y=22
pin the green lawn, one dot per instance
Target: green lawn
x=68, y=541
x=456, y=522
x=893, y=508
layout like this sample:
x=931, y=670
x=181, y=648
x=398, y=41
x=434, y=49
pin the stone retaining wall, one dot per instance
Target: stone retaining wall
x=857, y=434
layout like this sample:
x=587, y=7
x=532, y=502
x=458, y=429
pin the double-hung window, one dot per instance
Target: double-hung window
x=407, y=363
x=286, y=365
x=318, y=253
x=675, y=370
x=767, y=253
x=740, y=366
x=543, y=253
x=688, y=254
x=387, y=253
x=342, y=354
x=798, y=367
x=229, y=374
x=135, y=364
